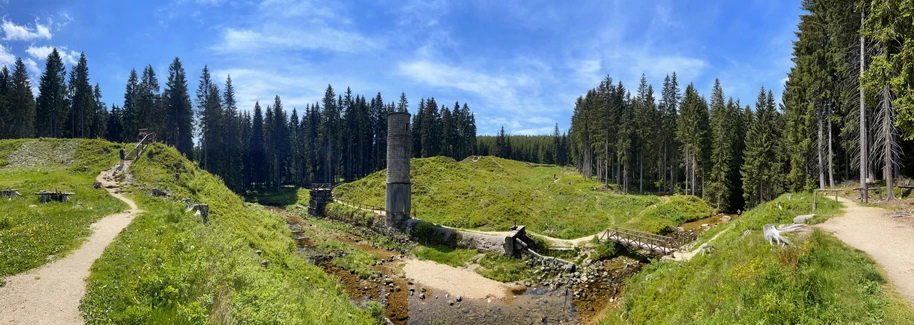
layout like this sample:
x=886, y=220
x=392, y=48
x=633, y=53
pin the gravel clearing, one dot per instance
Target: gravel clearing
x=45, y=154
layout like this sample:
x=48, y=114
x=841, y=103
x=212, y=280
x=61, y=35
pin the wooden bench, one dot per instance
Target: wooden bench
x=45, y=196
x=10, y=193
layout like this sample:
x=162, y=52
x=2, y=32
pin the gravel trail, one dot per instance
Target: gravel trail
x=888, y=241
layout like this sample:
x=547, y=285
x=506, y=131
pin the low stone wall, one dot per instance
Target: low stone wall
x=487, y=243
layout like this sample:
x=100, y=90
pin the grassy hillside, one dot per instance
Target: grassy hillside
x=167, y=267
x=493, y=193
x=818, y=280
x=31, y=234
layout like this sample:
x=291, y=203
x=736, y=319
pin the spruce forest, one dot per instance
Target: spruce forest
x=339, y=139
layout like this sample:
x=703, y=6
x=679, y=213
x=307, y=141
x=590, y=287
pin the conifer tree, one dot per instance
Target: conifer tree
x=21, y=103
x=179, y=113
x=52, y=107
x=81, y=100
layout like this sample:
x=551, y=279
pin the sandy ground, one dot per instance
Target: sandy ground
x=888, y=241
x=457, y=281
x=51, y=294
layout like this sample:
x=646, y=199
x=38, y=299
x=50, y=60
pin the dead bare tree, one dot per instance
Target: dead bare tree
x=887, y=151
x=863, y=150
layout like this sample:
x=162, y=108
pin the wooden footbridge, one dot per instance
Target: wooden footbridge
x=642, y=240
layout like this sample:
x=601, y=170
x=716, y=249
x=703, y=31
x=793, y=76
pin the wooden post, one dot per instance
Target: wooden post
x=814, y=196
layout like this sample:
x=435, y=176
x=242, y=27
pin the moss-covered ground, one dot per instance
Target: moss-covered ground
x=817, y=280
x=31, y=233
x=492, y=193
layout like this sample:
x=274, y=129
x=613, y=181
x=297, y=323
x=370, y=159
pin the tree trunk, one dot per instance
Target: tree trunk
x=831, y=160
x=819, y=151
x=863, y=158
x=889, y=137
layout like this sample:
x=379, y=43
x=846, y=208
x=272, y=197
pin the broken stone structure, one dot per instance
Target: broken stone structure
x=397, y=203
x=517, y=241
x=320, y=195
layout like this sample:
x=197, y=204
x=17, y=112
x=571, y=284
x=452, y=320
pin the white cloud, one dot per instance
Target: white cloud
x=535, y=131
x=41, y=53
x=290, y=38
x=288, y=25
x=13, y=32
x=6, y=58
x=500, y=92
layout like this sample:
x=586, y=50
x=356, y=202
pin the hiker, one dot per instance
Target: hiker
x=123, y=156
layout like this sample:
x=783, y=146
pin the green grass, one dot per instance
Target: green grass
x=494, y=193
x=167, y=267
x=455, y=257
x=353, y=259
x=282, y=197
x=817, y=280
x=30, y=232
x=503, y=268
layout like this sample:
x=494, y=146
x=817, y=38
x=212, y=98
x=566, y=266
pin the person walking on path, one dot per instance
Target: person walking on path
x=123, y=156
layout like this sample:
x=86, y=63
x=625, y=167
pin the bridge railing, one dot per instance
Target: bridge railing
x=645, y=238
x=140, y=146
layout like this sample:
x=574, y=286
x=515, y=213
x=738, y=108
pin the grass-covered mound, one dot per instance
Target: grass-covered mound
x=30, y=232
x=493, y=193
x=818, y=280
x=167, y=267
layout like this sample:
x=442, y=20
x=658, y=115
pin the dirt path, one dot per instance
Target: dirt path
x=458, y=281
x=889, y=242
x=51, y=294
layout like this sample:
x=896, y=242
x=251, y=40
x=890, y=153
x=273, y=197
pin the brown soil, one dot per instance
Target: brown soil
x=598, y=297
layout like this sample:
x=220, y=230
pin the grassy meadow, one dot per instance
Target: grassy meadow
x=493, y=193
x=816, y=280
x=31, y=233
x=167, y=267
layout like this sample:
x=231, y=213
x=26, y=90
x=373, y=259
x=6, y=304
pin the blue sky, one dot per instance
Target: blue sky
x=520, y=64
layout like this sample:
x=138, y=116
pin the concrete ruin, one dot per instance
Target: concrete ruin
x=397, y=203
x=320, y=195
x=517, y=241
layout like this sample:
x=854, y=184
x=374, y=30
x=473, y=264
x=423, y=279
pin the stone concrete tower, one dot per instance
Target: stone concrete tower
x=399, y=186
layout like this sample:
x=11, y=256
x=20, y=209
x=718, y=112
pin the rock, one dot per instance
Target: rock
x=422, y=289
x=725, y=219
x=803, y=218
x=449, y=302
x=459, y=298
x=421, y=296
x=265, y=263
x=258, y=252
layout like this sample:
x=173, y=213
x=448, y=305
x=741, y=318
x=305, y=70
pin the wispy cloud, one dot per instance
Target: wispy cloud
x=41, y=53
x=289, y=25
x=13, y=32
x=283, y=37
x=6, y=58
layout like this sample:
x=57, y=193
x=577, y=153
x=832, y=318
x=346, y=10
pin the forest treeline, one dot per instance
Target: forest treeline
x=341, y=138
x=848, y=98
x=546, y=149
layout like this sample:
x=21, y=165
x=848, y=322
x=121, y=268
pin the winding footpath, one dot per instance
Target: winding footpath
x=51, y=294
x=888, y=241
